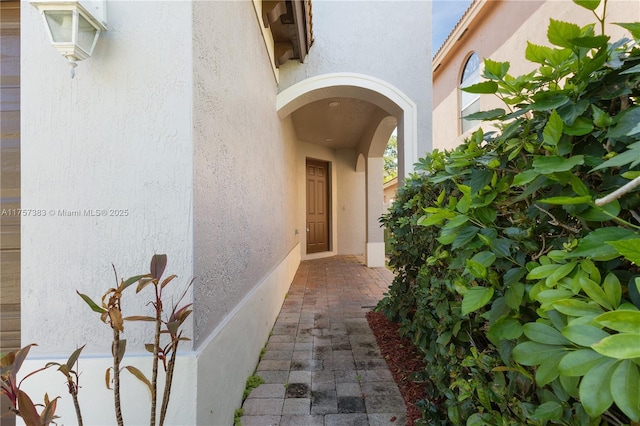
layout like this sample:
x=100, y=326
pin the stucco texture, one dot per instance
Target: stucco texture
x=365, y=37
x=244, y=173
x=115, y=141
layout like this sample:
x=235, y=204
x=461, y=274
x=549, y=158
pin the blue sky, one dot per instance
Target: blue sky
x=445, y=15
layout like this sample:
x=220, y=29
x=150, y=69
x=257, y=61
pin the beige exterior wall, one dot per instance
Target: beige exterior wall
x=499, y=30
x=389, y=191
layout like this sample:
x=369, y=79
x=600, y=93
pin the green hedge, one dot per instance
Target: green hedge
x=513, y=276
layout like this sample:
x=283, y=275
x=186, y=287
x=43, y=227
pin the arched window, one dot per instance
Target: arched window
x=469, y=102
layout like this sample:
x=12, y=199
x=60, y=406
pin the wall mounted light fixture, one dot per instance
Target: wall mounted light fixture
x=73, y=28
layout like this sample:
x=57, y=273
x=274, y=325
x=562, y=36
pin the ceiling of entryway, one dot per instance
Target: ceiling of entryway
x=335, y=122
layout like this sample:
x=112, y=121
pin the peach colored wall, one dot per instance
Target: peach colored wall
x=500, y=31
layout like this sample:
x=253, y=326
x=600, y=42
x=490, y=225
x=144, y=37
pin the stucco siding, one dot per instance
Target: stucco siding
x=244, y=196
x=351, y=204
x=359, y=37
x=108, y=156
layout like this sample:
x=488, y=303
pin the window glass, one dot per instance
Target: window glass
x=469, y=102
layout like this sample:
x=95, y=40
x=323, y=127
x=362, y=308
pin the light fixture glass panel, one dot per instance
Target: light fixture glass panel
x=86, y=34
x=60, y=25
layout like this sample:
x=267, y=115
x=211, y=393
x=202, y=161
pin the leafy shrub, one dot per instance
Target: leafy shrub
x=516, y=272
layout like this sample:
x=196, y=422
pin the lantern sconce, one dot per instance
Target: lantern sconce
x=73, y=28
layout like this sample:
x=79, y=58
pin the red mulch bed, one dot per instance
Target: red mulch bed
x=402, y=358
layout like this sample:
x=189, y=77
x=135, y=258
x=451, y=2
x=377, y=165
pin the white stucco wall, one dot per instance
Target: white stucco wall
x=116, y=138
x=174, y=123
x=244, y=197
x=350, y=204
x=389, y=40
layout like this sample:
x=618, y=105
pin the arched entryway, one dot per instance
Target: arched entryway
x=357, y=112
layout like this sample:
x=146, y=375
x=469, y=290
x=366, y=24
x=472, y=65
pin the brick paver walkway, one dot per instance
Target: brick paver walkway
x=322, y=365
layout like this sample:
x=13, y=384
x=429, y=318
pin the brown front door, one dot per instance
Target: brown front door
x=9, y=185
x=317, y=206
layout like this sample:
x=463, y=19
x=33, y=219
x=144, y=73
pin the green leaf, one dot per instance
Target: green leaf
x=514, y=294
x=630, y=249
x=595, y=292
x=506, y=328
x=560, y=273
x=624, y=389
x=601, y=213
x=132, y=280
x=74, y=357
x=547, y=101
x=600, y=117
x=536, y=53
x=550, y=296
x=550, y=410
x=571, y=111
x=542, y=271
x=619, y=346
x=588, y=4
x=93, y=305
x=553, y=129
x=591, y=42
x=476, y=298
x=548, y=370
x=534, y=353
x=436, y=218
x=633, y=28
x=464, y=237
x=626, y=123
x=479, y=179
x=485, y=258
x=595, y=388
x=513, y=276
x=576, y=308
x=476, y=269
x=621, y=320
x=594, y=245
x=495, y=70
x=630, y=156
x=493, y=114
x=566, y=200
x=580, y=362
x=554, y=164
x=543, y=333
x=465, y=201
x=584, y=334
x=581, y=126
x=562, y=33
x=484, y=87
x=486, y=215
x=525, y=177
x=612, y=289
x=456, y=221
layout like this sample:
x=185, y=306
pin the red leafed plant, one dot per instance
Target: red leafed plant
x=20, y=403
x=111, y=313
